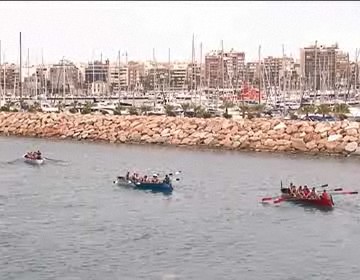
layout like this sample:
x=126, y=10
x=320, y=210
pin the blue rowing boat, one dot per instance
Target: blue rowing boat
x=162, y=187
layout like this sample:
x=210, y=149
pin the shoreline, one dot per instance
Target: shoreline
x=341, y=138
x=189, y=148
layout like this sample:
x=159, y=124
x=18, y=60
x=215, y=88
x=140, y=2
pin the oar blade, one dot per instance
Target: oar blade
x=278, y=200
x=339, y=193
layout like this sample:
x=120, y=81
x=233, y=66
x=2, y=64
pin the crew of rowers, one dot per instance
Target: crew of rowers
x=305, y=192
x=33, y=155
x=145, y=179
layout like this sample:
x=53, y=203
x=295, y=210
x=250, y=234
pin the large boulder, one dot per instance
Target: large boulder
x=334, y=137
x=351, y=147
x=298, y=144
x=280, y=126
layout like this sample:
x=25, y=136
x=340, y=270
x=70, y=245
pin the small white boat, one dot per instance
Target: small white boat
x=33, y=161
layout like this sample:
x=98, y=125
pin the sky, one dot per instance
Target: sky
x=82, y=31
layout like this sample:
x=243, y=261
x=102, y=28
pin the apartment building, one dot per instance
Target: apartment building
x=179, y=76
x=118, y=77
x=64, y=77
x=136, y=73
x=9, y=77
x=225, y=69
x=318, y=65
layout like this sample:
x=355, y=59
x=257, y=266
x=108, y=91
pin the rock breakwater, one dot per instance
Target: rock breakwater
x=342, y=137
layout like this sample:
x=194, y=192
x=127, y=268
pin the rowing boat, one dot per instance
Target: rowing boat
x=33, y=161
x=162, y=187
x=321, y=202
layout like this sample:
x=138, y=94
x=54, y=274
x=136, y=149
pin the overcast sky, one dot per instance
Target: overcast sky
x=80, y=31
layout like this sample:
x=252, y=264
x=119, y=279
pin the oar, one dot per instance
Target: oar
x=176, y=173
x=324, y=186
x=12, y=161
x=280, y=199
x=269, y=198
x=353, y=192
x=56, y=160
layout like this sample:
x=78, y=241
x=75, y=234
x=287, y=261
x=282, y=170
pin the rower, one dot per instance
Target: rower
x=306, y=191
x=167, y=179
x=286, y=190
x=38, y=155
x=313, y=194
x=325, y=195
x=299, y=192
x=293, y=190
x=127, y=175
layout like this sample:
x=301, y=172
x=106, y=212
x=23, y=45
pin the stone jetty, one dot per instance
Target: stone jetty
x=274, y=135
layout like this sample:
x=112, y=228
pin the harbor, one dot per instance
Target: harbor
x=67, y=218
x=182, y=140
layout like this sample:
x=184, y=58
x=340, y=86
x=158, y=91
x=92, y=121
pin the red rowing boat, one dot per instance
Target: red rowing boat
x=321, y=202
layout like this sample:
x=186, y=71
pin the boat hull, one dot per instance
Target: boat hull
x=323, y=203
x=33, y=161
x=153, y=187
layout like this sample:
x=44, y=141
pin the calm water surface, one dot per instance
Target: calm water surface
x=66, y=220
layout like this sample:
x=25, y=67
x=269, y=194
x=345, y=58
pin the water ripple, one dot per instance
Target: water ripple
x=66, y=220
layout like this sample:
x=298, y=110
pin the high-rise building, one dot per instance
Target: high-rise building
x=64, y=77
x=178, y=76
x=318, y=66
x=136, y=73
x=225, y=70
x=118, y=77
x=9, y=77
x=97, y=71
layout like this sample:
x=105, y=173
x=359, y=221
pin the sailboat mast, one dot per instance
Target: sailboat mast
x=222, y=65
x=259, y=62
x=315, y=79
x=356, y=68
x=93, y=78
x=43, y=75
x=192, y=66
x=284, y=74
x=4, y=75
x=154, y=63
x=28, y=72
x=1, y=91
x=169, y=79
x=119, y=57
x=36, y=83
x=200, y=72
x=20, y=74
x=64, y=81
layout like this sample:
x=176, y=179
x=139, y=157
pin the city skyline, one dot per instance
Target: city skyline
x=89, y=29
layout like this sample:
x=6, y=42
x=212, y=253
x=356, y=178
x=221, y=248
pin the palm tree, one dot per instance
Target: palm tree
x=307, y=109
x=118, y=109
x=323, y=109
x=198, y=111
x=340, y=110
x=145, y=109
x=244, y=109
x=227, y=104
x=133, y=110
x=169, y=110
x=86, y=109
x=258, y=109
x=35, y=107
x=185, y=107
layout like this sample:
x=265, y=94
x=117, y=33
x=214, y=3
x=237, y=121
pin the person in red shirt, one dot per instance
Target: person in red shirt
x=325, y=195
x=306, y=191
